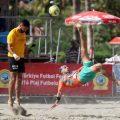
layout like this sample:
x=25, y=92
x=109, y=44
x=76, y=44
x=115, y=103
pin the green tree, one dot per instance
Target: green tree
x=102, y=34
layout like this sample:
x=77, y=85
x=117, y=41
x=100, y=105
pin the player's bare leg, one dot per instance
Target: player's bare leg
x=110, y=76
x=97, y=67
x=18, y=87
x=83, y=46
x=11, y=88
x=20, y=110
x=10, y=91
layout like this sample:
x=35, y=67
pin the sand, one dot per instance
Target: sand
x=101, y=110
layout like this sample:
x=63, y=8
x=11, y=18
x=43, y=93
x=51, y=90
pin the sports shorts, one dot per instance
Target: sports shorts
x=86, y=74
x=16, y=66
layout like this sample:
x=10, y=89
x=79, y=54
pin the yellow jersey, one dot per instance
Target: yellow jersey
x=18, y=41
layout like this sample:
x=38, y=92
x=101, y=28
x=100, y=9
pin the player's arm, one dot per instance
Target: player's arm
x=10, y=49
x=58, y=98
x=10, y=46
x=59, y=94
x=10, y=41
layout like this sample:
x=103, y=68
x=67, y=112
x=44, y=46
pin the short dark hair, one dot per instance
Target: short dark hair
x=25, y=23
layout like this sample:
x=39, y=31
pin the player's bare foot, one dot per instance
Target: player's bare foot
x=12, y=108
x=17, y=102
x=10, y=103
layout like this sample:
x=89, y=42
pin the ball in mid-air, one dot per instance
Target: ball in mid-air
x=54, y=10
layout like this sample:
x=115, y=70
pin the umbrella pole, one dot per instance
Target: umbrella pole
x=113, y=51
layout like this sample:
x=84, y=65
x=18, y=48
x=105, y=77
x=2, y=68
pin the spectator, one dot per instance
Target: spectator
x=38, y=31
x=72, y=52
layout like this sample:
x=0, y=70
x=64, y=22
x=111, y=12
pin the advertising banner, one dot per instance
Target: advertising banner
x=42, y=79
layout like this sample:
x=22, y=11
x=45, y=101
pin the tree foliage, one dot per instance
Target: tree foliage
x=102, y=33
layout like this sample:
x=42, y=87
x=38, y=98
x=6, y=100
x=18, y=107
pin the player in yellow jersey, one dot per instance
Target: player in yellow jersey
x=16, y=41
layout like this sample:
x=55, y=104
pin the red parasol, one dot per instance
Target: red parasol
x=92, y=17
x=115, y=41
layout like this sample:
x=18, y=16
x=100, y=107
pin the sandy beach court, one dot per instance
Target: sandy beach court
x=101, y=110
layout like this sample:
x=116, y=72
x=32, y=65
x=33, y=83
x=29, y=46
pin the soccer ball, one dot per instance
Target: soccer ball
x=54, y=10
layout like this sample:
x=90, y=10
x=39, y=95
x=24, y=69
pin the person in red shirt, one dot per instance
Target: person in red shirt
x=82, y=75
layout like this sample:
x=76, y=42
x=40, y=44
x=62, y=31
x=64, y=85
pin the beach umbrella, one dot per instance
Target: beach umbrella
x=114, y=42
x=92, y=18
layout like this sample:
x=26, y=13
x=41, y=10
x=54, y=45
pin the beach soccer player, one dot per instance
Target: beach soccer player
x=16, y=41
x=82, y=75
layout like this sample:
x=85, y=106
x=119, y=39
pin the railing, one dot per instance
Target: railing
x=40, y=34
